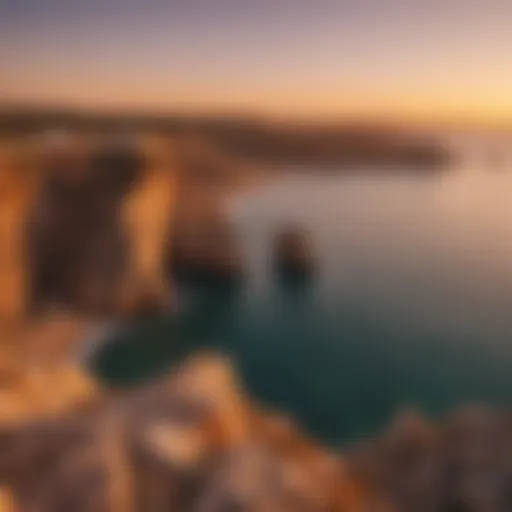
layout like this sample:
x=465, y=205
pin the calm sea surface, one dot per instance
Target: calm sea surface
x=411, y=304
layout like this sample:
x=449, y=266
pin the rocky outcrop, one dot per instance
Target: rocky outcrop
x=99, y=227
x=191, y=442
x=204, y=249
x=19, y=181
x=147, y=219
x=461, y=464
x=293, y=254
x=74, y=236
x=206, y=252
x=38, y=373
x=90, y=227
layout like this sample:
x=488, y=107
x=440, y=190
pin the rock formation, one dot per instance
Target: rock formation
x=19, y=182
x=147, y=216
x=100, y=226
x=38, y=375
x=191, y=442
x=88, y=222
x=293, y=253
x=462, y=464
x=203, y=247
x=206, y=252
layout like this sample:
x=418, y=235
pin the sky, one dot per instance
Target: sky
x=436, y=59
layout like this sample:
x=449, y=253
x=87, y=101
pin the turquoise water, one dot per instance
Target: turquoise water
x=411, y=304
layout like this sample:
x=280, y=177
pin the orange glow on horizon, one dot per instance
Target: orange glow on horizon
x=283, y=102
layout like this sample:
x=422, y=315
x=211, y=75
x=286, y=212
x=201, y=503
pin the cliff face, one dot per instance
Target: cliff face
x=147, y=214
x=85, y=226
x=191, y=442
x=19, y=182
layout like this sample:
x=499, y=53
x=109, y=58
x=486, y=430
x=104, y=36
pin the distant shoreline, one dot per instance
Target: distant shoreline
x=255, y=141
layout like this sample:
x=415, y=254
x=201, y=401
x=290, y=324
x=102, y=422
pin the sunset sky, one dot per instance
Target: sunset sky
x=326, y=58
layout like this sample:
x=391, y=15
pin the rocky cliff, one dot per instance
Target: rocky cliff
x=190, y=442
x=84, y=225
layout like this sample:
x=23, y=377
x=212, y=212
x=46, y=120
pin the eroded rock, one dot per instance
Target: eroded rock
x=206, y=251
x=100, y=227
x=191, y=442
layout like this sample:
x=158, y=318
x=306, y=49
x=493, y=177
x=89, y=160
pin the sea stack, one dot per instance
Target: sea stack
x=293, y=253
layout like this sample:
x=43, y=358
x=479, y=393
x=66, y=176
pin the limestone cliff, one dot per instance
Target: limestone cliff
x=84, y=225
x=19, y=183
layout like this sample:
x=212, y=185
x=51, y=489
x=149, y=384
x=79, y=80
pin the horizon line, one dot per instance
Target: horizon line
x=462, y=121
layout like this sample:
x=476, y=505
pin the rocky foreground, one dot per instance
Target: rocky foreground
x=191, y=442
x=194, y=441
x=464, y=464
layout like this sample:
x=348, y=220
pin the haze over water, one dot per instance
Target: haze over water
x=410, y=305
